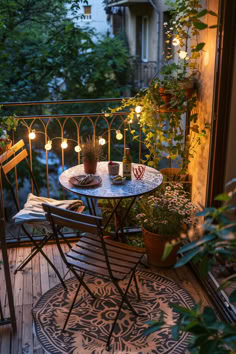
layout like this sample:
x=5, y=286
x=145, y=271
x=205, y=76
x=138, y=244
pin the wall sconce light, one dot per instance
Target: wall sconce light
x=32, y=135
x=119, y=135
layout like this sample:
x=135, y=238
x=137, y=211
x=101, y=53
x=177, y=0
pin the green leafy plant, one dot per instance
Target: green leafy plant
x=167, y=211
x=215, y=236
x=7, y=124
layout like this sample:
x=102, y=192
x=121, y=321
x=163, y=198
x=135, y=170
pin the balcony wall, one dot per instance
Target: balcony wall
x=199, y=166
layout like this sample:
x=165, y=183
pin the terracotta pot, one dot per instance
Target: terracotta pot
x=90, y=166
x=155, y=245
x=8, y=144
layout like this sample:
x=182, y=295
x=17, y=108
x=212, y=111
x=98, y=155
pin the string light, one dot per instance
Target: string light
x=32, y=135
x=138, y=109
x=64, y=144
x=175, y=42
x=182, y=54
x=101, y=141
x=77, y=148
x=48, y=146
x=119, y=135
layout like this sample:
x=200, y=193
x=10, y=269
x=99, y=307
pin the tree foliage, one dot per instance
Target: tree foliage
x=41, y=48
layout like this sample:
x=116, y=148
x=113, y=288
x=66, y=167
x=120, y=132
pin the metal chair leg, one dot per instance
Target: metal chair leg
x=83, y=283
x=73, y=302
x=136, y=286
x=124, y=294
x=123, y=299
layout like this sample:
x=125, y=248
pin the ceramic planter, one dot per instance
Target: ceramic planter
x=155, y=245
x=90, y=166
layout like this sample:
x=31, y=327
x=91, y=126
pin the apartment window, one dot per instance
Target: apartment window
x=87, y=12
x=142, y=37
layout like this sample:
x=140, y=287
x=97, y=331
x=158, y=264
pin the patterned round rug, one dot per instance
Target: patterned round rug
x=90, y=321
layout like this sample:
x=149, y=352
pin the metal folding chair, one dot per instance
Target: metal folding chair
x=96, y=255
x=33, y=212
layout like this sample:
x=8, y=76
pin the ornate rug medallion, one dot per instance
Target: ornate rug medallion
x=91, y=321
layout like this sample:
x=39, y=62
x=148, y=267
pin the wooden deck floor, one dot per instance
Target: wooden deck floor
x=37, y=278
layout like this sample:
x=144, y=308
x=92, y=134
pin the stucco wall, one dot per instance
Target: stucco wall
x=199, y=166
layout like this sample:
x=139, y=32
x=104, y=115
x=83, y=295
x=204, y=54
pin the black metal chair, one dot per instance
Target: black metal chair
x=96, y=255
x=32, y=213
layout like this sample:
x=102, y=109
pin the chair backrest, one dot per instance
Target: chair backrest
x=9, y=160
x=77, y=221
x=59, y=217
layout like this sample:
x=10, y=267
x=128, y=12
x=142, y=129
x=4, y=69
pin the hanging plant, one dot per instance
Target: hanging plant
x=159, y=108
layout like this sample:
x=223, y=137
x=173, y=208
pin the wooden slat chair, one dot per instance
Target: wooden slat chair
x=33, y=212
x=96, y=255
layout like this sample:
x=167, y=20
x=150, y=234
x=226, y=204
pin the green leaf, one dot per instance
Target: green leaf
x=212, y=13
x=200, y=25
x=196, y=243
x=214, y=26
x=223, y=197
x=167, y=250
x=233, y=180
x=209, y=315
x=199, y=47
x=205, y=211
x=187, y=257
x=232, y=297
x=202, y=13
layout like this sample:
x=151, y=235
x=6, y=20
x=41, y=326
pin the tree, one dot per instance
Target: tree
x=40, y=48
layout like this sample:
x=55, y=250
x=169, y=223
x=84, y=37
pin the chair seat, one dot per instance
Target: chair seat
x=33, y=211
x=88, y=255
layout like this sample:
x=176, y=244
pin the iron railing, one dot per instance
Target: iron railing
x=47, y=165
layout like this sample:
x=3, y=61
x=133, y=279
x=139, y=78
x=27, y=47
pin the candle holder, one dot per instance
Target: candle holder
x=139, y=172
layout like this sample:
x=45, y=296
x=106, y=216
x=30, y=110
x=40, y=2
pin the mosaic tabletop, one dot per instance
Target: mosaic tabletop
x=151, y=180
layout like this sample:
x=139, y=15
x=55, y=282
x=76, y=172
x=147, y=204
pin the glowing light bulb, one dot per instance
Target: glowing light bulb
x=32, y=135
x=119, y=136
x=182, y=54
x=48, y=146
x=77, y=148
x=175, y=42
x=64, y=144
x=101, y=141
x=138, y=109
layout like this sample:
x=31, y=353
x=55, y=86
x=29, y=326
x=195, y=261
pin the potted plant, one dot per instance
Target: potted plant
x=91, y=152
x=7, y=124
x=163, y=217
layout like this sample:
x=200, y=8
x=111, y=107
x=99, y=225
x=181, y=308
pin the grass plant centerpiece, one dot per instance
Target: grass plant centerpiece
x=163, y=217
x=91, y=152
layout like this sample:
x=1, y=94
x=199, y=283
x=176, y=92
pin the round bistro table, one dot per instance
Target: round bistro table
x=132, y=189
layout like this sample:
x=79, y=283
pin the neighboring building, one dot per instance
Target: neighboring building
x=142, y=22
x=93, y=15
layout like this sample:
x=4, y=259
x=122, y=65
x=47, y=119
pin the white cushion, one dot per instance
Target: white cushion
x=33, y=210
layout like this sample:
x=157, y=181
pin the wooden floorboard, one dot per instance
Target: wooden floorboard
x=38, y=277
